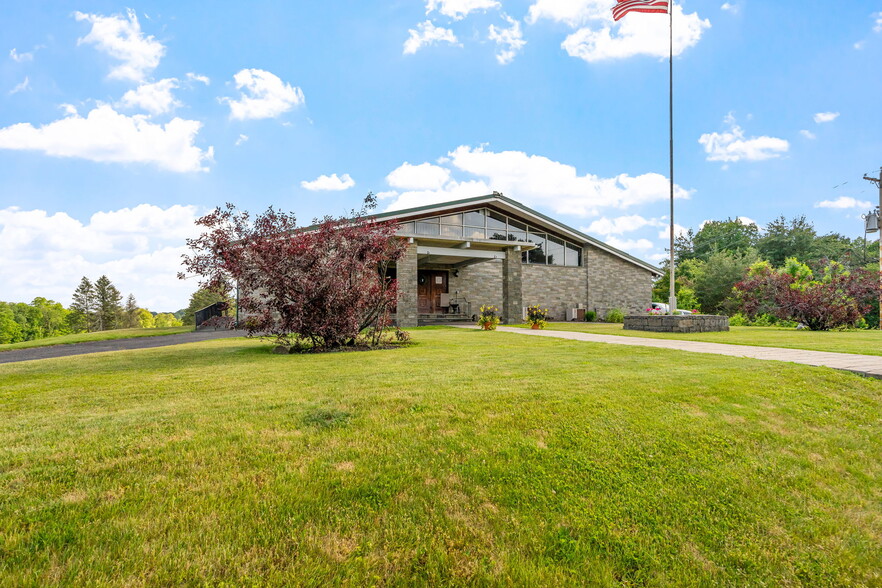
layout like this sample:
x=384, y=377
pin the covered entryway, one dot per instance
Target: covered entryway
x=431, y=284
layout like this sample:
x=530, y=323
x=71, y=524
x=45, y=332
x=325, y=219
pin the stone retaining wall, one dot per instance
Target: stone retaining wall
x=690, y=323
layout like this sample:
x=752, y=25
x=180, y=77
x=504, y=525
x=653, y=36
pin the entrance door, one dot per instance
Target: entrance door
x=430, y=285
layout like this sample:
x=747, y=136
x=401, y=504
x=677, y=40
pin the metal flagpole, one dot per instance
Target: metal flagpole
x=672, y=298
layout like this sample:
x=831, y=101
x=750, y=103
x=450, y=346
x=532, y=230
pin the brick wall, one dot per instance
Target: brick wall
x=554, y=287
x=615, y=283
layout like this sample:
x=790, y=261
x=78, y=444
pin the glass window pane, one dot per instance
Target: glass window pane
x=496, y=221
x=574, y=255
x=451, y=219
x=405, y=228
x=451, y=231
x=473, y=233
x=555, y=251
x=517, y=235
x=475, y=218
x=537, y=255
x=427, y=228
x=513, y=224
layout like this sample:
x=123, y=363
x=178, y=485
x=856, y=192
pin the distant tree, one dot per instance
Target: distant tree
x=10, y=330
x=145, y=319
x=130, y=313
x=107, y=304
x=730, y=235
x=783, y=239
x=714, y=283
x=325, y=284
x=52, y=318
x=83, y=313
x=199, y=300
x=166, y=319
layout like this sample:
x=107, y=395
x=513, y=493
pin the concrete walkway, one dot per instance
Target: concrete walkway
x=865, y=365
x=32, y=353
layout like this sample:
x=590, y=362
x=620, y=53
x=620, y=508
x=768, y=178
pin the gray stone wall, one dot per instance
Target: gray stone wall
x=406, y=273
x=512, y=287
x=615, y=283
x=557, y=288
x=480, y=284
x=694, y=323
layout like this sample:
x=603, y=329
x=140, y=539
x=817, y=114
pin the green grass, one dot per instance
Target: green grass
x=855, y=341
x=97, y=336
x=479, y=458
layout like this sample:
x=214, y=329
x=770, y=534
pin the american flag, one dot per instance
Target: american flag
x=625, y=6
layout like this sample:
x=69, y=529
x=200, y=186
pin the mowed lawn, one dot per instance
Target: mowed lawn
x=481, y=458
x=96, y=336
x=858, y=341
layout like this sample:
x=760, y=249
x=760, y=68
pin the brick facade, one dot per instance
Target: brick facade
x=615, y=283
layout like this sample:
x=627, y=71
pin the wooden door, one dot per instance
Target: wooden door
x=430, y=285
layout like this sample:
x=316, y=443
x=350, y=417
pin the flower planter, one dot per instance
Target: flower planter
x=536, y=326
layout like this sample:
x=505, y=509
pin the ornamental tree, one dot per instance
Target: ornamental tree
x=325, y=283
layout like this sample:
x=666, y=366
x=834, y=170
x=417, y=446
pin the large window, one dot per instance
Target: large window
x=489, y=224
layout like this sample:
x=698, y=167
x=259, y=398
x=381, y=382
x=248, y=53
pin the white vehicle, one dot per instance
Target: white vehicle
x=661, y=306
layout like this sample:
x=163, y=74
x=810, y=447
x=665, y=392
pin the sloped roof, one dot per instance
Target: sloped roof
x=516, y=209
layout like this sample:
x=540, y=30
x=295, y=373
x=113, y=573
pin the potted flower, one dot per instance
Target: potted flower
x=489, y=318
x=537, y=317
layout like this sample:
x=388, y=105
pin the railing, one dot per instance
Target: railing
x=215, y=311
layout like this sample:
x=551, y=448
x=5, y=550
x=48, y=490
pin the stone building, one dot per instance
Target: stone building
x=491, y=250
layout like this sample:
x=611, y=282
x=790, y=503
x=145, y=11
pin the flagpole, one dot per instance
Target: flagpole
x=672, y=298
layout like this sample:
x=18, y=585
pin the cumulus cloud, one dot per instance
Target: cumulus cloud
x=427, y=34
x=825, y=117
x=747, y=220
x=330, y=183
x=570, y=12
x=732, y=145
x=139, y=249
x=844, y=202
x=192, y=77
x=630, y=244
x=808, y=134
x=107, y=136
x=25, y=85
x=155, y=98
x=264, y=95
x=459, y=9
x=679, y=230
x=537, y=181
x=637, y=34
x=620, y=225
x=122, y=39
x=424, y=176
x=509, y=40
x=20, y=57
x=877, y=22
x=241, y=139
x=729, y=7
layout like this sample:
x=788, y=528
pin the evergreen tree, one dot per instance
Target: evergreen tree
x=82, y=316
x=130, y=313
x=108, y=307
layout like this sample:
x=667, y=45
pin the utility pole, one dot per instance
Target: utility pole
x=878, y=182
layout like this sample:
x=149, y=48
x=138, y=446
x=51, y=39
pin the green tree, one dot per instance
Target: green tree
x=107, y=304
x=166, y=319
x=714, y=283
x=130, y=313
x=199, y=300
x=10, y=330
x=51, y=316
x=145, y=319
x=82, y=315
x=730, y=235
x=783, y=239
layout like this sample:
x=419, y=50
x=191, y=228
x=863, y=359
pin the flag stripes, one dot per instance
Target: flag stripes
x=626, y=6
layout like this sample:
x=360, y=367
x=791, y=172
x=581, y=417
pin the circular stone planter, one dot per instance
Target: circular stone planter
x=687, y=323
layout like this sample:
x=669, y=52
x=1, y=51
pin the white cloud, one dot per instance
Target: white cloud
x=637, y=34
x=844, y=202
x=25, y=85
x=329, y=183
x=808, y=134
x=620, y=225
x=386, y=195
x=747, y=220
x=571, y=12
x=825, y=117
x=138, y=248
x=459, y=9
x=192, y=77
x=729, y=7
x=241, y=139
x=665, y=233
x=732, y=145
x=630, y=245
x=859, y=45
x=427, y=34
x=108, y=136
x=20, y=57
x=877, y=25
x=509, y=41
x=540, y=182
x=155, y=98
x=122, y=39
x=424, y=176
x=264, y=95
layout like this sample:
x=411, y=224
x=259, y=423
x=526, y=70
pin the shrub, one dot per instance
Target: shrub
x=615, y=315
x=590, y=316
x=738, y=320
x=489, y=318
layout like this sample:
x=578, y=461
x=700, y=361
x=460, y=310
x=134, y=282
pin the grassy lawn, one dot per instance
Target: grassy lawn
x=856, y=341
x=481, y=458
x=98, y=336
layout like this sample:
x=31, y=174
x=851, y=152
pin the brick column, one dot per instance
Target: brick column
x=512, y=291
x=406, y=274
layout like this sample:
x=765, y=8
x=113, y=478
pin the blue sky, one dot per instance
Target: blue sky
x=122, y=123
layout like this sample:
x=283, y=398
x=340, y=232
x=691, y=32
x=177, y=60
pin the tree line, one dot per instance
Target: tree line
x=96, y=306
x=719, y=265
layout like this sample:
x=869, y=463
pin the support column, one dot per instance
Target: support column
x=512, y=292
x=406, y=273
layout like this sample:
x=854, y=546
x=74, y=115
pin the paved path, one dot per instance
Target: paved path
x=113, y=345
x=865, y=365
